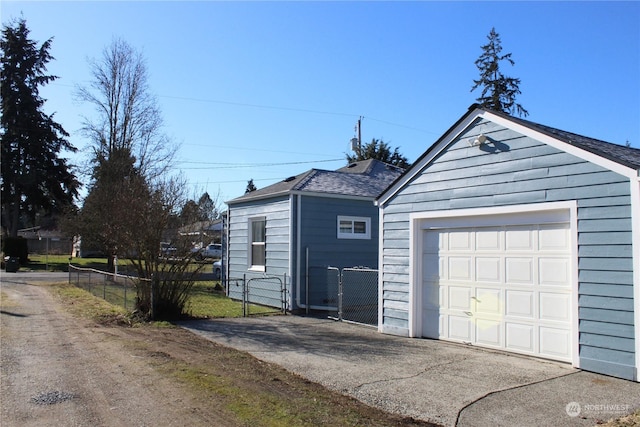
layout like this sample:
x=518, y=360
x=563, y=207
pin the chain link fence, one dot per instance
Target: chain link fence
x=260, y=294
x=117, y=289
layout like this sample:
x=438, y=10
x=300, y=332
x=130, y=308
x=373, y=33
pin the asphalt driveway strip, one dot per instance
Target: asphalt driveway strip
x=436, y=381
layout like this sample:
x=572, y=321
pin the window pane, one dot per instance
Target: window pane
x=360, y=227
x=257, y=231
x=345, y=226
x=258, y=256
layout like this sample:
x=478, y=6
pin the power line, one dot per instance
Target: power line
x=251, y=165
x=275, y=107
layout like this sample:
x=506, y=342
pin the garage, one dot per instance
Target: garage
x=503, y=287
x=515, y=236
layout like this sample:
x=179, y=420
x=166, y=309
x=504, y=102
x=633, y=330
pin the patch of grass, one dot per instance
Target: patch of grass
x=302, y=405
x=38, y=262
x=83, y=304
x=208, y=301
x=5, y=301
x=632, y=420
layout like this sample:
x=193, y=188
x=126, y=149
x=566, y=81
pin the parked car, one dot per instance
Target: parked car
x=217, y=270
x=167, y=250
x=213, y=250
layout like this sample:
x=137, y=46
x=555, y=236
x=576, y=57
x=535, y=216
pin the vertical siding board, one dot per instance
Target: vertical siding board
x=519, y=170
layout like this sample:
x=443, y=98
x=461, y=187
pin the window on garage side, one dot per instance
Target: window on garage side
x=258, y=250
x=354, y=227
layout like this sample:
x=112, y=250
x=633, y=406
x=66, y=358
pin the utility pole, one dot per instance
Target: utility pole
x=356, y=142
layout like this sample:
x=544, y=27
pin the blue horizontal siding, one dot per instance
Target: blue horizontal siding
x=607, y=341
x=607, y=355
x=608, y=290
x=605, y=302
x=606, y=316
x=613, y=369
x=606, y=329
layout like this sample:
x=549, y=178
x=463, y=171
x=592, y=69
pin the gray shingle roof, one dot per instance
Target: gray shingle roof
x=627, y=156
x=367, y=178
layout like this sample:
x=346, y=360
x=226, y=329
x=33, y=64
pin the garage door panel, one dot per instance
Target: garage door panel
x=431, y=296
x=488, y=269
x=506, y=287
x=554, y=343
x=431, y=267
x=555, y=307
x=489, y=302
x=518, y=239
x=519, y=270
x=520, y=337
x=554, y=272
x=460, y=328
x=488, y=240
x=432, y=243
x=459, y=298
x=554, y=237
x=459, y=240
x=460, y=268
x=431, y=323
x=489, y=332
x=520, y=304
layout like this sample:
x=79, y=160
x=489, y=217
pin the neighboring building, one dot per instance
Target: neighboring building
x=290, y=232
x=41, y=241
x=511, y=235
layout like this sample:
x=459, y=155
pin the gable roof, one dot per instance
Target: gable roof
x=363, y=179
x=628, y=157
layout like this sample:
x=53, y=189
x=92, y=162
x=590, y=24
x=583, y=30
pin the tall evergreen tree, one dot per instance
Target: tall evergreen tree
x=250, y=186
x=379, y=150
x=498, y=91
x=34, y=178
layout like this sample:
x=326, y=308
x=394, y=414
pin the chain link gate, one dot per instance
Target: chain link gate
x=260, y=294
x=358, y=296
x=350, y=294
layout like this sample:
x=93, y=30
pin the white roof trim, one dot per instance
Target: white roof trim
x=447, y=138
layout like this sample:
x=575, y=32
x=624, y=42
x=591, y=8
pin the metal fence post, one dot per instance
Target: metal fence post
x=244, y=295
x=340, y=294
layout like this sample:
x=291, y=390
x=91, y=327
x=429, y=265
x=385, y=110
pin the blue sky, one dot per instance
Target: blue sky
x=267, y=90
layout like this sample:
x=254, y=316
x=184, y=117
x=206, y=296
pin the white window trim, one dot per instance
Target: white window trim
x=352, y=235
x=250, y=244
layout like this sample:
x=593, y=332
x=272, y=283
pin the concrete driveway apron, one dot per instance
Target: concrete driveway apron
x=444, y=383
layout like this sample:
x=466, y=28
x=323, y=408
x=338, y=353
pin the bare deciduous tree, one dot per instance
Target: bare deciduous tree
x=127, y=115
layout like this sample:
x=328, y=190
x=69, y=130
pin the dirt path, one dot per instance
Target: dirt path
x=56, y=371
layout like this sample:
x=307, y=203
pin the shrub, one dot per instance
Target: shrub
x=16, y=247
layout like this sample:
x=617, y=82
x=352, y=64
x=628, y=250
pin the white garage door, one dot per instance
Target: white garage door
x=504, y=287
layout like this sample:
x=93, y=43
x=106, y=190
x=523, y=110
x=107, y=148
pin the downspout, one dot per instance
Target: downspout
x=635, y=236
x=291, y=244
x=298, y=250
x=380, y=267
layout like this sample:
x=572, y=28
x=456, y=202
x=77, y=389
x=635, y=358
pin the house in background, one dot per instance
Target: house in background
x=288, y=233
x=515, y=236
